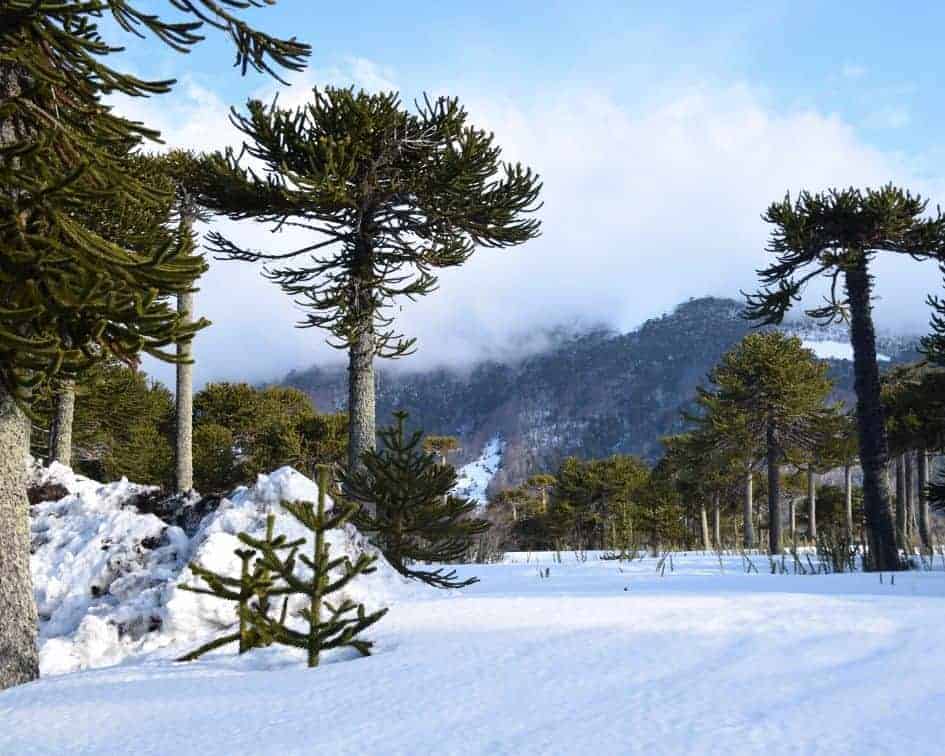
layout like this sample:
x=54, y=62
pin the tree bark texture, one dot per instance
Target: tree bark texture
x=19, y=659
x=60, y=434
x=925, y=530
x=704, y=522
x=184, y=435
x=361, y=403
x=749, y=534
x=811, y=504
x=774, y=493
x=900, y=501
x=871, y=431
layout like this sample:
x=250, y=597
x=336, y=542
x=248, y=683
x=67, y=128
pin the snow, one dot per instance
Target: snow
x=601, y=656
x=106, y=575
x=835, y=350
x=473, y=479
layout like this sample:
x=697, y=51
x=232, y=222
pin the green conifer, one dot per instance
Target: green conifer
x=388, y=196
x=414, y=516
x=836, y=235
x=251, y=592
x=344, y=620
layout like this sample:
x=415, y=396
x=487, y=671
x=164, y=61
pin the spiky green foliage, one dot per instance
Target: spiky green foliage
x=933, y=345
x=768, y=387
x=344, y=620
x=416, y=517
x=251, y=592
x=83, y=275
x=836, y=235
x=388, y=197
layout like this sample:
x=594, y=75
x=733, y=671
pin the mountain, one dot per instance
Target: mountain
x=589, y=395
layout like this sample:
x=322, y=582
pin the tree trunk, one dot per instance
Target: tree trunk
x=871, y=430
x=361, y=408
x=704, y=521
x=717, y=522
x=923, y=510
x=60, y=433
x=774, y=493
x=811, y=504
x=184, y=417
x=910, y=498
x=749, y=535
x=184, y=435
x=19, y=660
x=793, y=516
x=900, y=502
x=848, y=493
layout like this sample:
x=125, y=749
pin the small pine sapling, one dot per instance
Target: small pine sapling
x=251, y=592
x=345, y=619
x=409, y=506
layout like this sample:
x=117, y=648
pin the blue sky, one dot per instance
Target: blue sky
x=662, y=131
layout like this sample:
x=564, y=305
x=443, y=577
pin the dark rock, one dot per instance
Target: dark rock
x=46, y=492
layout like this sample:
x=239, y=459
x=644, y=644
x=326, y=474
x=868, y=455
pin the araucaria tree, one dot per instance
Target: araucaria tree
x=836, y=235
x=387, y=195
x=415, y=518
x=776, y=389
x=68, y=296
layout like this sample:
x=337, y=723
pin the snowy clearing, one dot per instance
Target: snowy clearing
x=600, y=657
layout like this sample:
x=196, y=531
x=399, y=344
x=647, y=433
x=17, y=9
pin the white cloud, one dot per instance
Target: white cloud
x=644, y=207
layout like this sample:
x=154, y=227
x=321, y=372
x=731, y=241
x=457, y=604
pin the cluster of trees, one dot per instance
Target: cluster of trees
x=99, y=261
x=124, y=426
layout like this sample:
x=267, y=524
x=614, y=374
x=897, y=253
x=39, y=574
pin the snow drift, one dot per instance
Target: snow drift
x=106, y=571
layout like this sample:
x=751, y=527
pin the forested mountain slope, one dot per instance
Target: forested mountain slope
x=589, y=395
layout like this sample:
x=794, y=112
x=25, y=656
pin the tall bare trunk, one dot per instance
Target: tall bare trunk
x=774, y=492
x=910, y=496
x=361, y=407
x=749, y=534
x=793, y=517
x=811, y=504
x=717, y=521
x=871, y=429
x=19, y=660
x=848, y=494
x=184, y=415
x=60, y=434
x=704, y=522
x=900, y=502
x=184, y=432
x=925, y=530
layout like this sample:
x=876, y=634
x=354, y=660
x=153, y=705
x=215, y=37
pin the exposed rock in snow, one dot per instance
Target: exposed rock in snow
x=105, y=573
x=473, y=479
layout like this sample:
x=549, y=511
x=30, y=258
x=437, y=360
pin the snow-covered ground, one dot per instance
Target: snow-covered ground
x=106, y=575
x=835, y=350
x=600, y=657
x=473, y=479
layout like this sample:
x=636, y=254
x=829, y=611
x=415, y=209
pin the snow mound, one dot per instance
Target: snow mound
x=473, y=479
x=106, y=575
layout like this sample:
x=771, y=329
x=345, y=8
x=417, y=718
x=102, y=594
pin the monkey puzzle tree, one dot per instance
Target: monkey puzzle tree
x=836, y=235
x=387, y=195
x=415, y=518
x=68, y=296
x=778, y=389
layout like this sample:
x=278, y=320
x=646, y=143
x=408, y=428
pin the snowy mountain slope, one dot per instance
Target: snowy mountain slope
x=473, y=479
x=105, y=575
x=589, y=395
x=599, y=657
